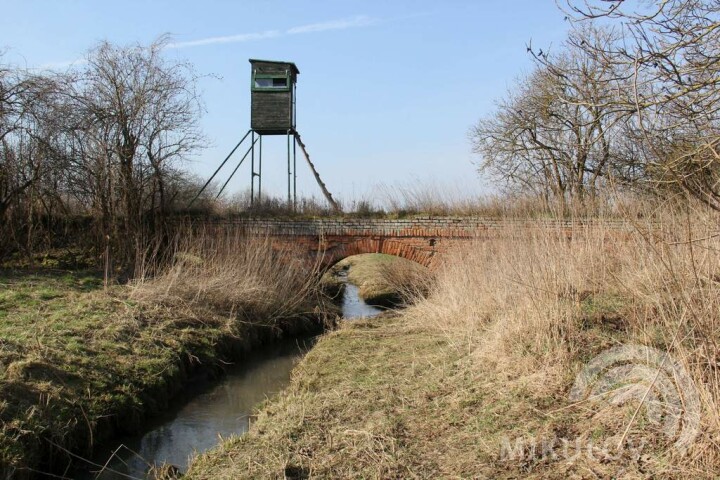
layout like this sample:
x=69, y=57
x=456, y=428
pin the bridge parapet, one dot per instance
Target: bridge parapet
x=448, y=227
x=437, y=227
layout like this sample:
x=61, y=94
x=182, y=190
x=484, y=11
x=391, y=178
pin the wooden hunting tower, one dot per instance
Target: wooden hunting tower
x=272, y=112
x=273, y=97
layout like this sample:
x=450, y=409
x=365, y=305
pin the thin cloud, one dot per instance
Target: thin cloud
x=339, y=24
x=358, y=21
x=240, y=38
x=61, y=65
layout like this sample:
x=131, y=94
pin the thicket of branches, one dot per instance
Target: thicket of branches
x=630, y=99
x=103, y=142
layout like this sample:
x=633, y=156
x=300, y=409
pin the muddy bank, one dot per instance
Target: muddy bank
x=207, y=411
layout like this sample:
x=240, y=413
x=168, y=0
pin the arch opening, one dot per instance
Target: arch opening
x=382, y=280
x=335, y=250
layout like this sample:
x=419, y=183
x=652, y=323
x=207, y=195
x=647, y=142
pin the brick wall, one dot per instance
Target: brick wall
x=422, y=240
x=451, y=227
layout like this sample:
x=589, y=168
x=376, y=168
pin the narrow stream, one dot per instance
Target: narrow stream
x=355, y=307
x=211, y=412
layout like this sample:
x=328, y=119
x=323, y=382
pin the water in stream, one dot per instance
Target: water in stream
x=353, y=306
x=210, y=412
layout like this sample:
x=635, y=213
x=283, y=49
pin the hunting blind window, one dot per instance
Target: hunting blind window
x=272, y=101
x=273, y=82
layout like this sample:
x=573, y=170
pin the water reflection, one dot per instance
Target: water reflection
x=355, y=307
x=197, y=426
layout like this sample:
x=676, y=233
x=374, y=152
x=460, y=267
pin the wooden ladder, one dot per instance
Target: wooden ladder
x=326, y=193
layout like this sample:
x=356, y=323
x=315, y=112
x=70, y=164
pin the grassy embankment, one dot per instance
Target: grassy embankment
x=382, y=280
x=79, y=363
x=474, y=381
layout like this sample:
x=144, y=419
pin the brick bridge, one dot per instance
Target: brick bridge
x=422, y=240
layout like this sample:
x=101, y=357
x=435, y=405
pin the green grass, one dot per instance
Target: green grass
x=76, y=362
x=79, y=364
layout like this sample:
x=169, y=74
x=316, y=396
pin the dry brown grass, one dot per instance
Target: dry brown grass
x=490, y=356
x=80, y=363
x=244, y=276
x=535, y=304
x=417, y=198
x=407, y=280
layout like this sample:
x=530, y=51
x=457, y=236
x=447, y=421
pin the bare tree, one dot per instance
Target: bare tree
x=16, y=174
x=672, y=49
x=27, y=169
x=553, y=134
x=134, y=119
x=107, y=139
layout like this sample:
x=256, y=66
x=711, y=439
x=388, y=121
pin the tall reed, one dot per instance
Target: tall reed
x=535, y=302
x=220, y=267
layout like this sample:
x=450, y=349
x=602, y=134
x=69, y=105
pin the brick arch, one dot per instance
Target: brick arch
x=420, y=252
x=425, y=241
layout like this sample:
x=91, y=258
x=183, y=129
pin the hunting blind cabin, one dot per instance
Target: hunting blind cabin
x=272, y=113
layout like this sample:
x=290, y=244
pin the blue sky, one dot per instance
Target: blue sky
x=387, y=89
